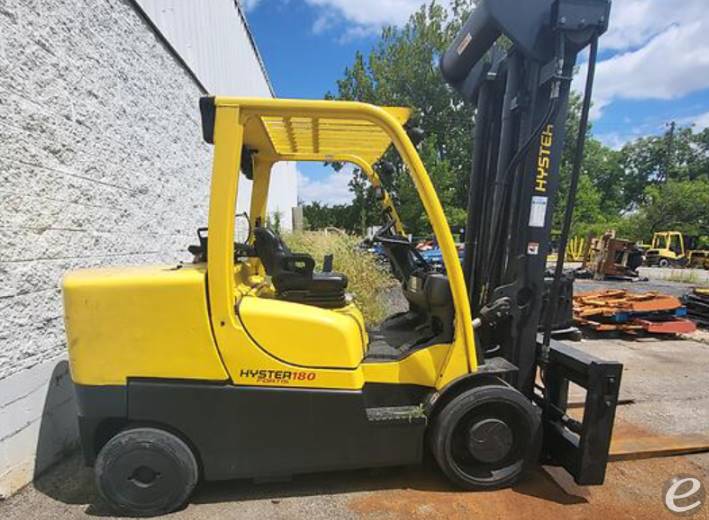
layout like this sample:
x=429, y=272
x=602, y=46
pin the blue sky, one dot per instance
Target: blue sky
x=653, y=68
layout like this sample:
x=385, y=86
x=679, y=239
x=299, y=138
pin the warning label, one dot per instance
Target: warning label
x=538, y=212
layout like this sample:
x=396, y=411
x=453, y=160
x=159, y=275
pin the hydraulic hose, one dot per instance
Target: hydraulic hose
x=571, y=198
x=513, y=164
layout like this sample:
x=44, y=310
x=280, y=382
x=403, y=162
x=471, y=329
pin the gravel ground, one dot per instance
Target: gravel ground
x=667, y=379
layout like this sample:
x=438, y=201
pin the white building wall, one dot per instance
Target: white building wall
x=101, y=162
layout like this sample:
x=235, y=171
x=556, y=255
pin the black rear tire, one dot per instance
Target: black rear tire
x=576, y=335
x=145, y=472
x=486, y=437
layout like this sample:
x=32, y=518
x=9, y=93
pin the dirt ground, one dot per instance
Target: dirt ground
x=666, y=379
x=653, y=284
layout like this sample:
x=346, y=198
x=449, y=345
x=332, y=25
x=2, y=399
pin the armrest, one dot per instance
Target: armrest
x=301, y=263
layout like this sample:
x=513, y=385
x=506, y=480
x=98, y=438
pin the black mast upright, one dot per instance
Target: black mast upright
x=521, y=95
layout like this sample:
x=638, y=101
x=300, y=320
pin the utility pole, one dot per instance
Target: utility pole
x=670, y=151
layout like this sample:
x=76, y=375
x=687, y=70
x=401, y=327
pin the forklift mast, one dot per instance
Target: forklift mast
x=520, y=85
x=514, y=61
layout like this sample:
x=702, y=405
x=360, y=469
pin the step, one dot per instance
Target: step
x=388, y=415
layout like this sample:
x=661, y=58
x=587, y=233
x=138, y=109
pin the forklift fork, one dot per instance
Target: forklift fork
x=581, y=447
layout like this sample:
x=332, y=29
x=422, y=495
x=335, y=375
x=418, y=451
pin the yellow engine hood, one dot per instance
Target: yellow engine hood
x=147, y=321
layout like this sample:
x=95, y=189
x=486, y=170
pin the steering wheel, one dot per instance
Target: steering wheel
x=382, y=231
x=385, y=236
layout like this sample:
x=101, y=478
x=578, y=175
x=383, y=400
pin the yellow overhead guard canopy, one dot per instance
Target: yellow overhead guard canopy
x=325, y=136
x=312, y=136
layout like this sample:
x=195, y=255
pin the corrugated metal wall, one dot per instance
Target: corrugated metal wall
x=213, y=39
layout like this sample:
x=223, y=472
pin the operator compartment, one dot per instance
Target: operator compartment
x=323, y=327
x=429, y=319
x=296, y=314
x=139, y=322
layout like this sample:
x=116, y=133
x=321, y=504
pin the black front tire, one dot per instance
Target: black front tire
x=486, y=437
x=145, y=472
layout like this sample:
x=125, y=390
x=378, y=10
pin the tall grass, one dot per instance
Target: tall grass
x=368, y=279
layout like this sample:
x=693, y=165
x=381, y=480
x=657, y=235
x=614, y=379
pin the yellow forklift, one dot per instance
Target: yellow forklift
x=251, y=364
x=675, y=249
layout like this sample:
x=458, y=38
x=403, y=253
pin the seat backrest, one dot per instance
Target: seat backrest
x=269, y=248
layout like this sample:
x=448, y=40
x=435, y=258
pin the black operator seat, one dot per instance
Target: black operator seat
x=292, y=273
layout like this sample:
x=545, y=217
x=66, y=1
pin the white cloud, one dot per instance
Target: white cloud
x=369, y=13
x=354, y=19
x=701, y=121
x=634, y=22
x=698, y=122
x=330, y=188
x=615, y=140
x=670, y=65
x=323, y=22
x=361, y=18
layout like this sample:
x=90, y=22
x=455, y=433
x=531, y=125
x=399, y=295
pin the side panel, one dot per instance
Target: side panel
x=302, y=335
x=263, y=432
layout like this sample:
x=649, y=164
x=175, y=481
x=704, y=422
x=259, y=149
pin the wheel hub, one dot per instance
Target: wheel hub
x=143, y=476
x=490, y=440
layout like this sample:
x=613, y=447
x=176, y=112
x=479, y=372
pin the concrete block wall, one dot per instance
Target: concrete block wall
x=101, y=162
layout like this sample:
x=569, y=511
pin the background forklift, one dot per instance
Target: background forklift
x=251, y=364
x=675, y=249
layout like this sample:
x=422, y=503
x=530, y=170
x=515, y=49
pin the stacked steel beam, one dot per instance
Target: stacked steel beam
x=697, y=303
x=633, y=313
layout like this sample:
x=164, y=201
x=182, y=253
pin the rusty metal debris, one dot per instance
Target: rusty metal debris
x=632, y=313
x=608, y=257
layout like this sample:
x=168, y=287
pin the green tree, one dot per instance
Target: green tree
x=674, y=205
x=598, y=195
x=402, y=70
x=679, y=154
x=319, y=216
x=365, y=206
x=644, y=185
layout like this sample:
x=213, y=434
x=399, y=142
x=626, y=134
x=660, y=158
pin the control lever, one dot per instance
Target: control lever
x=199, y=252
x=327, y=263
x=494, y=312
